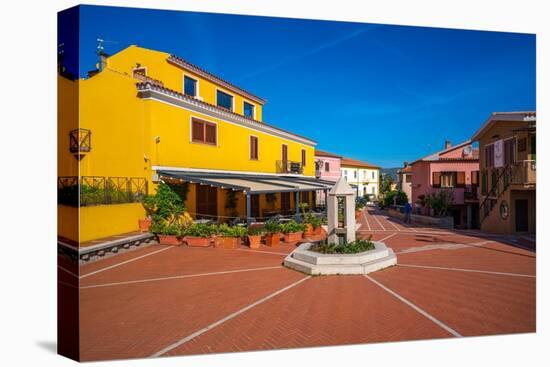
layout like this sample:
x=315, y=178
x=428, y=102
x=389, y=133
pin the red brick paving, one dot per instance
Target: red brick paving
x=321, y=311
x=477, y=258
x=470, y=303
x=181, y=260
x=137, y=320
x=116, y=259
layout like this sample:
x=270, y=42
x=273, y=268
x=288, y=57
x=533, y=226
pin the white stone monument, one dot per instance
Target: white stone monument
x=341, y=198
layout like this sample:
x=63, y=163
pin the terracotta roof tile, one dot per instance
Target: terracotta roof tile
x=148, y=85
x=187, y=65
x=356, y=163
x=322, y=153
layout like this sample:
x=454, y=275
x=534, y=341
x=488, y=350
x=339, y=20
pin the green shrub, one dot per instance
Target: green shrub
x=225, y=230
x=346, y=248
x=400, y=198
x=311, y=218
x=256, y=231
x=272, y=226
x=292, y=226
x=199, y=230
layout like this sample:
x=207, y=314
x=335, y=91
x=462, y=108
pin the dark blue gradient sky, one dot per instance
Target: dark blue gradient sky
x=384, y=94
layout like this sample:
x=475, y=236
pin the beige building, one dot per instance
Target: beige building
x=363, y=177
x=404, y=180
x=507, y=148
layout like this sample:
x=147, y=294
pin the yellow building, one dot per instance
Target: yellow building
x=146, y=116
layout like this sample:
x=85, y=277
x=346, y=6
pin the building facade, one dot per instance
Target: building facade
x=147, y=116
x=363, y=177
x=454, y=169
x=404, y=180
x=507, y=145
x=327, y=167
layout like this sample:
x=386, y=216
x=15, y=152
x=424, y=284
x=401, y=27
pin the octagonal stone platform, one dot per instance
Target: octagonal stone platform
x=310, y=262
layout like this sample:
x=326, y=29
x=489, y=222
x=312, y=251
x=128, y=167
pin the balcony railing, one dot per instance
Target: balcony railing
x=289, y=167
x=94, y=190
x=524, y=173
x=471, y=193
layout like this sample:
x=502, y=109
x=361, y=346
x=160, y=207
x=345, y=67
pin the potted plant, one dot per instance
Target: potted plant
x=167, y=233
x=292, y=231
x=149, y=204
x=273, y=232
x=198, y=235
x=229, y=236
x=313, y=224
x=255, y=236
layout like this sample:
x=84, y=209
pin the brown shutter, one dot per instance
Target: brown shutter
x=210, y=132
x=285, y=153
x=436, y=179
x=460, y=179
x=253, y=147
x=303, y=157
x=198, y=130
x=475, y=178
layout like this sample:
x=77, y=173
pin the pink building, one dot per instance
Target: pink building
x=456, y=168
x=327, y=167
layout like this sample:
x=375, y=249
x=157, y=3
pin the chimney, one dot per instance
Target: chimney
x=447, y=144
x=405, y=164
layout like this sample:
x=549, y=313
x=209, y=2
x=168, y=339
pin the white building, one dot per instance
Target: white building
x=363, y=177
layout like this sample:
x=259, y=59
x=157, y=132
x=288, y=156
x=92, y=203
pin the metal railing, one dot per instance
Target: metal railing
x=289, y=167
x=523, y=172
x=96, y=190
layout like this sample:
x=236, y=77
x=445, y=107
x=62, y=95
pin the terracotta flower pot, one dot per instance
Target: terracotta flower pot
x=254, y=241
x=317, y=231
x=309, y=229
x=169, y=240
x=227, y=242
x=292, y=237
x=197, y=241
x=144, y=224
x=272, y=239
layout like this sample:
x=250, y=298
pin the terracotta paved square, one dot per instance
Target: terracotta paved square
x=177, y=301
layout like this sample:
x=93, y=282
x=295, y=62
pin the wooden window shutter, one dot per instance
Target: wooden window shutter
x=461, y=179
x=475, y=178
x=253, y=147
x=210, y=133
x=436, y=179
x=303, y=157
x=198, y=130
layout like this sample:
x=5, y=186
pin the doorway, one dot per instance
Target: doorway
x=285, y=203
x=255, y=206
x=207, y=202
x=522, y=215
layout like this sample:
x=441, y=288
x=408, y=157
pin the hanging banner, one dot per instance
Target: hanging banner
x=499, y=153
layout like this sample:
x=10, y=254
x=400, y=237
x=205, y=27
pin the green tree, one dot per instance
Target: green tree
x=385, y=184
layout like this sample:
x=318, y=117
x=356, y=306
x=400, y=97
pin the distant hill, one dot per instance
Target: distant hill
x=392, y=172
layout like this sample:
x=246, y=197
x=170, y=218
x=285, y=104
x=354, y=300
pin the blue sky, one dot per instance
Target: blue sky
x=384, y=94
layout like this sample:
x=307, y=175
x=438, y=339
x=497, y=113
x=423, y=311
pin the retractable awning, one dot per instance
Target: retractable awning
x=249, y=183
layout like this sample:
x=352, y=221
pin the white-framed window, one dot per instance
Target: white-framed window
x=249, y=110
x=190, y=86
x=224, y=100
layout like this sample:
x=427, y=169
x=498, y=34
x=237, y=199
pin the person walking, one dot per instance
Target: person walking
x=408, y=210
